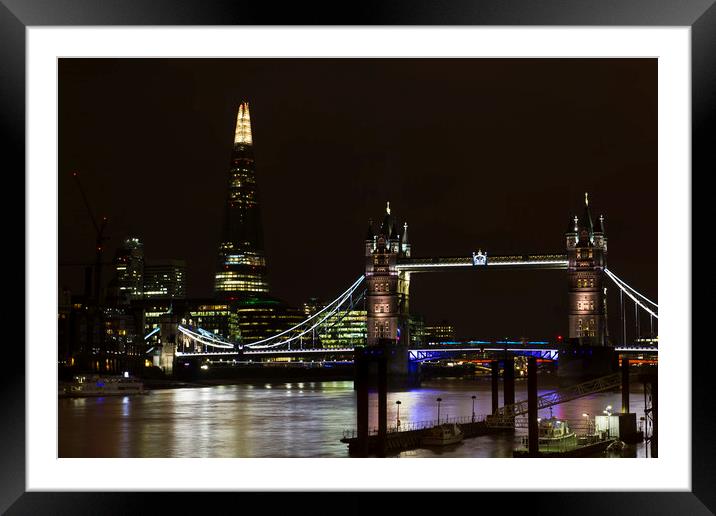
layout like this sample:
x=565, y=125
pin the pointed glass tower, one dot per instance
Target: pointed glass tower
x=241, y=270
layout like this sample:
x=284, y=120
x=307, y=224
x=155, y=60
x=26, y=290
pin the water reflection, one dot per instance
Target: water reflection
x=304, y=419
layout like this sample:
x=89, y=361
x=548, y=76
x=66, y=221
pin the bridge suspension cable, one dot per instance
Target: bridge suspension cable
x=206, y=338
x=155, y=330
x=633, y=294
x=616, y=279
x=351, y=305
x=311, y=323
x=300, y=335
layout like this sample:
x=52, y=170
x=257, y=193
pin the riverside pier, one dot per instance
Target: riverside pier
x=363, y=442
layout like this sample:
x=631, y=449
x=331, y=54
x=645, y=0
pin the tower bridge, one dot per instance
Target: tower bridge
x=390, y=266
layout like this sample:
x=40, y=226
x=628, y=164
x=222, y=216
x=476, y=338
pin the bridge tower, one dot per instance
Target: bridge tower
x=587, y=352
x=388, y=292
x=587, y=257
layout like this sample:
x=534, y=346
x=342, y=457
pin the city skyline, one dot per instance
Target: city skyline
x=446, y=167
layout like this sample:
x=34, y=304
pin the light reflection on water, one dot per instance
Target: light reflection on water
x=299, y=419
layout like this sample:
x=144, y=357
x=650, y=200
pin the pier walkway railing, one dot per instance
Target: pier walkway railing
x=352, y=433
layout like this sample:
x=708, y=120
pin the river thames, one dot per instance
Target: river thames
x=289, y=419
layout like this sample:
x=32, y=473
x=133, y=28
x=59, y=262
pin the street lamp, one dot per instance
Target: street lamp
x=397, y=417
x=585, y=415
x=473, y=408
x=439, y=400
x=609, y=420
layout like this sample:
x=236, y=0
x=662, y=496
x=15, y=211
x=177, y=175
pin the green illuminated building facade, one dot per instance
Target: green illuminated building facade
x=345, y=330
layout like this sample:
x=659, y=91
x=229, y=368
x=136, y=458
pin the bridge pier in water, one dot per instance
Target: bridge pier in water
x=363, y=358
x=382, y=405
x=495, y=372
x=650, y=381
x=627, y=420
x=508, y=383
x=532, y=425
x=654, y=441
x=508, y=379
x=625, y=385
x=361, y=383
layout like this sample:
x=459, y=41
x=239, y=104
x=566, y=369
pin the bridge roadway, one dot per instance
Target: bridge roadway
x=422, y=354
x=524, y=261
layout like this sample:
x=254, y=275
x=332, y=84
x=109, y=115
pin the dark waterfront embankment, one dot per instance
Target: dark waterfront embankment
x=217, y=374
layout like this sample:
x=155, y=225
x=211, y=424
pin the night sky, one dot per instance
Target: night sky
x=472, y=153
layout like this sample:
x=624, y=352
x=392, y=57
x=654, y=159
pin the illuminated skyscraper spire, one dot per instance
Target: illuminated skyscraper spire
x=241, y=270
x=243, y=125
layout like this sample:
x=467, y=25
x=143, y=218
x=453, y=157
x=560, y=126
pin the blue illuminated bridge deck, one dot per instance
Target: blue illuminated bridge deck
x=525, y=261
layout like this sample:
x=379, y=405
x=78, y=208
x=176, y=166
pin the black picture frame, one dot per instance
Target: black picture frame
x=17, y=15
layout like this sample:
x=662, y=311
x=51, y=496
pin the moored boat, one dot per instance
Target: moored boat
x=441, y=435
x=555, y=434
x=98, y=385
x=556, y=439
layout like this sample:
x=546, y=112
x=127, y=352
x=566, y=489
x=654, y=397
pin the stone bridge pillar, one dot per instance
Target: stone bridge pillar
x=168, y=331
x=363, y=359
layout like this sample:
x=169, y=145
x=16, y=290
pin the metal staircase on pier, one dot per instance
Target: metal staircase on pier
x=505, y=416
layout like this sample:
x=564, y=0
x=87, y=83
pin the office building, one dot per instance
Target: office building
x=262, y=317
x=165, y=279
x=442, y=332
x=129, y=271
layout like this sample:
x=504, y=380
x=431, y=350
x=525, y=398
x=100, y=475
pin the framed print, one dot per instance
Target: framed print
x=278, y=250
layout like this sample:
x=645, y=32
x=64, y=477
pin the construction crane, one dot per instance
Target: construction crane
x=100, y=238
